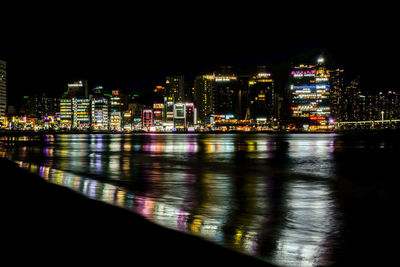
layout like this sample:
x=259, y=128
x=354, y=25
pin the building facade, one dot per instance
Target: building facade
x=3, y=88
x=175, y=88
x=261, y=96
x=217, y=94
x=81, y=113
x=310, y=97
x=116, y=106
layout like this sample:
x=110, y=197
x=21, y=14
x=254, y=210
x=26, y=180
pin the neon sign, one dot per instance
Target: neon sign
x=314, y=118
x=303, y=73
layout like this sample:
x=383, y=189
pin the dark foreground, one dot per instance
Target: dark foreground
x=50, y=228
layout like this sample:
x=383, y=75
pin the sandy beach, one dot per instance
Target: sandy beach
x=49, y=224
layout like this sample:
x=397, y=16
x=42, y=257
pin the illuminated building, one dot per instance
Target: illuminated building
x=216, y=94
x=115, y=111
x=127, y=121
x=78, y=89
x=136, y=115
x=168, y=111
x=203, y=86
x=3, y=88
x=39, y=106
x=174, y=87
x=81, y=108
x=387, y=106
x=179, y=116
x=100, y=110
x=66, y=113
x=190, y=115
x=158, y=112
x=310, y=96
x=147, y=118
x=261, y=96
x=337, y=92
x=349, y=103
x=4, y=122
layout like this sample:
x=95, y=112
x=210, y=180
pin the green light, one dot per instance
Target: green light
x=25, y=96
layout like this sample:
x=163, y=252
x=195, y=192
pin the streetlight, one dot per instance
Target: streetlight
x=382, y=112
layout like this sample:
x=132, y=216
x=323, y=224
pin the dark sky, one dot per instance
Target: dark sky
x=134, y=47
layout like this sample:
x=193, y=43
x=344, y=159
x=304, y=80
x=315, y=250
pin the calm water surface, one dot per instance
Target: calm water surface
x=275, y=197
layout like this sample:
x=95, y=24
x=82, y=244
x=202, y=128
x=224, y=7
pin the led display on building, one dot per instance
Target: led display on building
x=310, y=96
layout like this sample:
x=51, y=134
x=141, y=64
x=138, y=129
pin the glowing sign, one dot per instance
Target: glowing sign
x=158, y=106
x=299, y=73
x=314, y=118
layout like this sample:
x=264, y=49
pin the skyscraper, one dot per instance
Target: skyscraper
x=261, y=95
x=100, y=110
x=203, y=85
x=116, y=111
x=175, y=87
x=310, y=96
x=66, y=113
x=217, y=94
x=78, y=89
x=3, y=88
x=337, y=92
x=39, y=106
x=81, y=108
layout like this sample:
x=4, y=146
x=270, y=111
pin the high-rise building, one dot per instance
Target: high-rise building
x=261, y=96
x=136, y=115
x=354, y=104
x=78, y=89
x=158, y=112
x=168, y=111
x=39, y=106
x=100, y=113
x=175, y=88
x=3, y=88
x=217, y=94
x=387, y=106
x=115, y=110
x=190, y=115
x=179, y=116
x=310, y=96
x=147, y=118
x=337, y=96
x=66, y=113
x=81, y=112
x=203, y=86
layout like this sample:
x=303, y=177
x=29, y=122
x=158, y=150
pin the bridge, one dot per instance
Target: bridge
x=368, y=124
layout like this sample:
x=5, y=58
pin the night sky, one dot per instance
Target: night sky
x=134, y=47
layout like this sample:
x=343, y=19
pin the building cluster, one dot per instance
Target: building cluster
x=315, y=98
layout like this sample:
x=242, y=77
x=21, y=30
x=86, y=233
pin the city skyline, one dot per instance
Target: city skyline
x=316, y=98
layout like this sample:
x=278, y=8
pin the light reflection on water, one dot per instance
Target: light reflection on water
x=268, y=196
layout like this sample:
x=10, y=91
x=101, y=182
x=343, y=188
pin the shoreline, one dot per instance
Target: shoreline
x=48, y=221
x=388, y=132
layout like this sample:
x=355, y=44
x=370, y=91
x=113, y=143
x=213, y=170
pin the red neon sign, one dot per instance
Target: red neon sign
x=317, y=118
